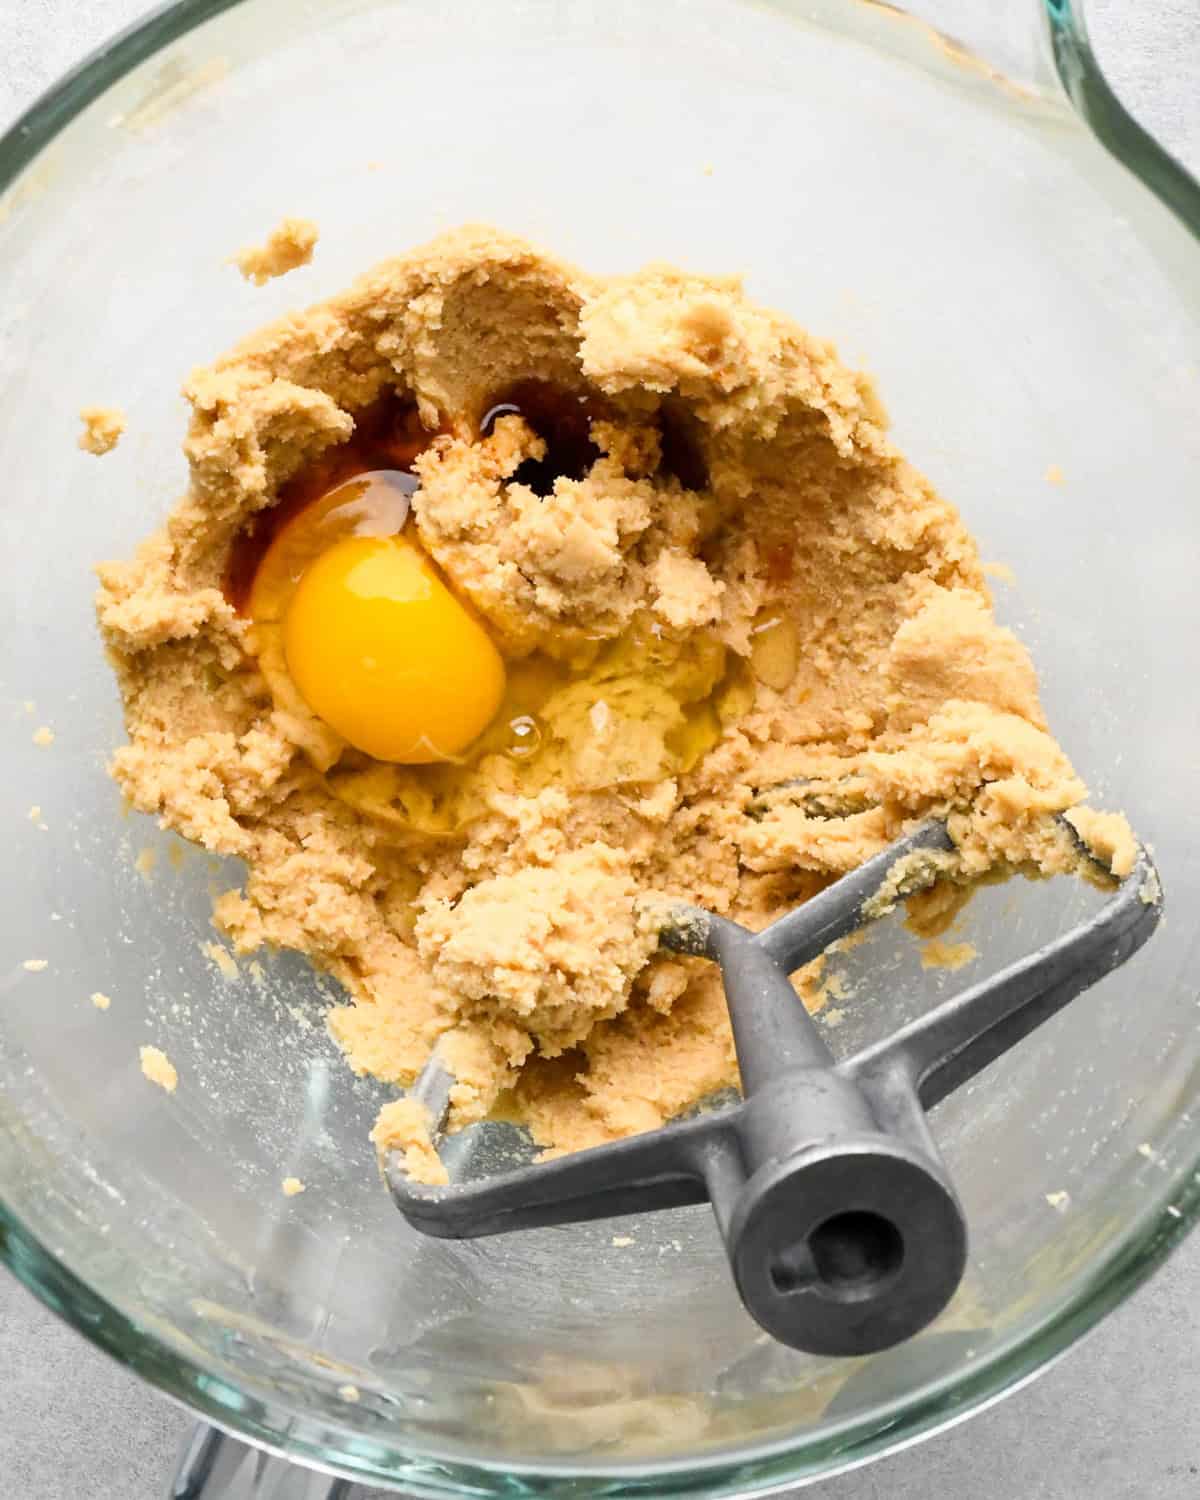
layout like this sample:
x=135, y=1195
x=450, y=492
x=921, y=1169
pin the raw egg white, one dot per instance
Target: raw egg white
x=375, y=503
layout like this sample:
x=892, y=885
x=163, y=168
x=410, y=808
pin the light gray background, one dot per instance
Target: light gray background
x=1118, y=1420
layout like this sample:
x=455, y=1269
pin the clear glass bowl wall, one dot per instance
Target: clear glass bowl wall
x=1026, y=304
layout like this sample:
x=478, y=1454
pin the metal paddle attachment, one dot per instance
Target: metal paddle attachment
x=843, y=1231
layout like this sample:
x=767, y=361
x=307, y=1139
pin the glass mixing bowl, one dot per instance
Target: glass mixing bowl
x=950, y=215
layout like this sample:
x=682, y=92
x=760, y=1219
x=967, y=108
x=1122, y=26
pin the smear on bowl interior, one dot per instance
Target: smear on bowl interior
x=504, y=596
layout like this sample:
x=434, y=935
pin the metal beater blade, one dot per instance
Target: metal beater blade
x=844, y=1233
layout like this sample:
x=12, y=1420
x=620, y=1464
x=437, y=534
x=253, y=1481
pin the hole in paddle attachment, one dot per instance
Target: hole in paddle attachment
x=848, y=1258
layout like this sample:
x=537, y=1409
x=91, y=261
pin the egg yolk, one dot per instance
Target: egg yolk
x=384, y=653
x=375, y=503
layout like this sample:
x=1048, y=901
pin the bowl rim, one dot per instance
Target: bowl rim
x=1166, y=1218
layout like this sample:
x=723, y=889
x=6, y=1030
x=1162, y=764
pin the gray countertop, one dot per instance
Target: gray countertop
x=1117, y=1420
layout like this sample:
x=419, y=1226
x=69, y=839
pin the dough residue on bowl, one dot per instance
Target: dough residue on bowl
x=158, y=1068
x=760, y=645
x=289, y=246
x=102, y=428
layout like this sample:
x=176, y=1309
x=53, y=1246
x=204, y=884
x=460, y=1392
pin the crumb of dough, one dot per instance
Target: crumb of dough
x=1060, y=1200
x=917, y=871
x=29, y=706
x=707, y=169
x=224, y=960
x=43, y=737
x=100, y=1000
x=403, y=1125
x=1000, y=571
x=102, y=428
x=496, y=910
x=349, y=1392
x=158, y=1068
x=34, y=814
x=622, y=1241
x=145, y=861
x=937, y=954
x=850, y=942
x=835, y=987
x=35, y=965
x=287, y=247
x=292, y=1186
x=1055, y=475
x=1108, y=836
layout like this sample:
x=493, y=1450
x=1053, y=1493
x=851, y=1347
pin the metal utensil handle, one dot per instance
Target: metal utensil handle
x=214, y=1466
